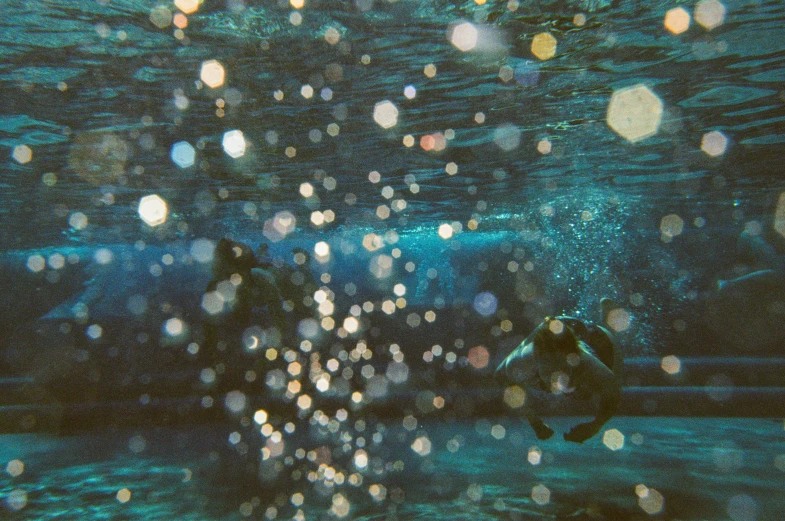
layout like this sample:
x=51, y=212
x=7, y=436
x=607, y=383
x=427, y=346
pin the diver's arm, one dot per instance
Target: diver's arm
x=520, y=368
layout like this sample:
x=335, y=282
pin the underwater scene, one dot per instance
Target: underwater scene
x=392, y=259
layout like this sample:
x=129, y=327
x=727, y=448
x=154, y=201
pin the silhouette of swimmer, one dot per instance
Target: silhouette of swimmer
x=748, y=312
x=240, y=286
x=565, y=356
x=767, y=263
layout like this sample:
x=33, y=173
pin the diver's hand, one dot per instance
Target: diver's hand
x=582, y=432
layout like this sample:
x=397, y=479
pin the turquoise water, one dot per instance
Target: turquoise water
x=698, y=469
x=430, y=180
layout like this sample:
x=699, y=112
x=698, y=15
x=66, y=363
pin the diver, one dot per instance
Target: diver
x=567, y=357
x=760, y=255
x=239, y=288
x=745, y=312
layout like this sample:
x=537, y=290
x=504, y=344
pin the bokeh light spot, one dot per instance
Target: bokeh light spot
x=670, y=364
x=22, y=154
x=534, y=456
x=671, y=226
x=709, y=13
x=234, y=143
x=422, y=446
x=351, y=324
x=78, y=221
x=153, y=210
x=99, y=157
x=123, y=495
x=635, y=113
x=507, y=137
x=464, y=37
x=485, y=303
x=677, y=20
x=385, y=114
x=15, y=468
x=544, y=46
x=235, y=401
x=212, y=74
x=332, y=36
x=714, y=143
x=161, y=16
x=650, y=500
x=321, y=249
x=36, y=263
x=514, y=397
x=187, y=6
x=613, y=439
x=16, y=500
x=619, y=320
x=478, y=357
x=541, y=495
x=183, y=154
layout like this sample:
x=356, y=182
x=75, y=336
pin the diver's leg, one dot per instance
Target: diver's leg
x=609, y=403
x=596, y=379
x=542, y=431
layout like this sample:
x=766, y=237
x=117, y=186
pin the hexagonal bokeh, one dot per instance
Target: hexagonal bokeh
x=153, y=210
x=183, y=154
x=714, y=143
x=22, y=154
x=385, y=114
x=212, y=74
x=234, y=143
x=187, y=6
x=677, y=20
x=464, y=37
x=613, y=439
x=544, y=46
x=635, y=113
x=710, y=13
x=541, y=494
x=650, y=500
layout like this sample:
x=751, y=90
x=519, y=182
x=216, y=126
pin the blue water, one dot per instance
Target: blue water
x=409, y=255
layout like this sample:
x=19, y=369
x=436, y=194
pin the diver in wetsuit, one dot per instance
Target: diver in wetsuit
x=238, y=288
x=564, y=356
